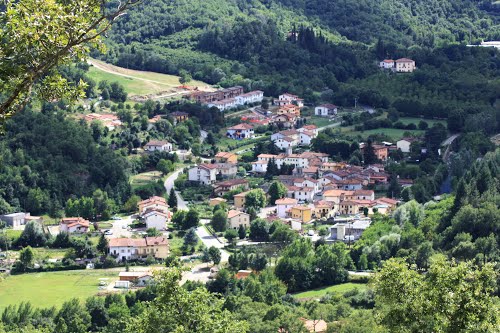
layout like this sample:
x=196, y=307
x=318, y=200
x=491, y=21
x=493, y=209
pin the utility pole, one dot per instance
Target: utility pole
x=355, y=102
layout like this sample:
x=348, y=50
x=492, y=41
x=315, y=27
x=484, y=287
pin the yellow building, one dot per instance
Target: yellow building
x=239, y=200
x=302, y=213
x=225, y=157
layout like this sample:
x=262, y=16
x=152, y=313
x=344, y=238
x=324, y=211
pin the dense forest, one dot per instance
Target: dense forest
x=46, y=159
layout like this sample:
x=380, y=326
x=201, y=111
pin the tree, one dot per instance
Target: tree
x=167, y=312
x=231, y=235
x=152, y=232
x=172, y=199
x=191, y=220
x=164, y=166
x=178, y=218
x=277, y=190
x=27, y=257
x=102, y=245
x=258, y=262
x=219, y=220
x=259, y=230
x=369, y=156
x=72, y=318
x=190, y=238
x=131, y=204
x=215, y=254
x=449, y=298
x=66, y=32
x=256, y=199
x=32, y=235
x=242, y=232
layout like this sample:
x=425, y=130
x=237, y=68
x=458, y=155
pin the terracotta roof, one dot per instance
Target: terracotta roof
x=267, y=156
x=126, y=242
x=179, y=114
x=388, y=60
x=241, y=127
x=154, y=199
x=363, y=192
x=311, y=127
x=157, y=143
x=242, y=194
x=224, y=154
x=233, y=213
x=302, y=207
x=404, y=60
x=207, y=166
x=328, y=106
x=160, y=240
x=336, y=193
x=72, y=221
x=286, y=201
x=231, y=182
x=388, y=201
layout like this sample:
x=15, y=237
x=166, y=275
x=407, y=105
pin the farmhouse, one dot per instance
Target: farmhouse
x=158, y=145
x=138, y=248
x=222, y=188
x=287, y=98
x=154, y=203
x=405, y=143
x=235, y=218
x=225, y=157
x=155, y=219
x=405, y=65
x=179, y=116
x=387, y=64
x=239, y=200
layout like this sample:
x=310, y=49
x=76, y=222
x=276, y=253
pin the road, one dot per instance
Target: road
x=329, y=126
x=209, y=240
x=169, y=184
x=119, y=228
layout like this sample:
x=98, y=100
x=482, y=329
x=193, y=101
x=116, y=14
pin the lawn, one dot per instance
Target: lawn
x=144, y=178
x=394, y=133
x=51, y=288
x=137, y=82
x=431, y=122
x=320, y=121
x=339, y=288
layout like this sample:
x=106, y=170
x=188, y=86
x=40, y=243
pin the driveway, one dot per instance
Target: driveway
x=169, y=184
x=209, y=240
x=119, y=228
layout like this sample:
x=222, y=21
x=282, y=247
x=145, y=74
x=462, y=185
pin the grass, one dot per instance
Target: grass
x=138, y=82
x=320, y=121
x=51, y=288
x=44, y=253
x=339, y=288
x=394, y=133
x=414, y=120
x=144, y=178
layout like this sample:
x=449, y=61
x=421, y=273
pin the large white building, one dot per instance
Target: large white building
x=255, y=96
x=405, y=144
x=158, y=145
x=203, y=173
x=138, y=248
x=155, y=219
x=240, y=132
x=325, y=110
x=405, y=65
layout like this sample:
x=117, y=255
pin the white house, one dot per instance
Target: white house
x=203, y=173
x=405, y=65
x=301, y=193
x=153, y=203
x=155, y=219
x=74, y=225
x=284, y=205
x=158, y=145
x=325, y=110
x=404, y=144
x=286, y=142
x=286, y=133
x=307, y=183
x=287, y=98
x=306, y=137
x=240, y=132
x=235, y=218
x=255, y=96
x=387, y=64
x=259, y=166
x=138, y=248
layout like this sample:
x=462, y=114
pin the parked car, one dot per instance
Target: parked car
x=108, y=232
x=116, y=218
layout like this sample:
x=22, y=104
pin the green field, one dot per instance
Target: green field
x=320, y=121
x=144, y=178
x=137, y=82
x=339, y=288
x=51, y=288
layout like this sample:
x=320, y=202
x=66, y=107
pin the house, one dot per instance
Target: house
x=405, y=143
x=284, y=134
x=306, y=137
x=349, y=184
x=158, y=145
x=387, y=64
x=381, y=151
x=301, y=213
x=208, y=97
x=239, y=200
x=242, y=274
x=226, y=157
x=405, y=65
x=315, y=326
x=226, y=170
x=179, y=117
x=336, y=196
x=289, y=109
x=16, y=220
x=303, y=194
x=109, y=120
x=286, y=120
x=349, y=231
x=325, y=110
x=222, y=188
x=259, y=166
x=363, y=195
x=155, y=219
x=352, y=207
x=153, y=203
x=235, y=218
x=255, y=96
x=74, y=225
x=286, y=142
x=203, y=173
x=324, y=208
x=287, y=98
x=216, y=201
x=140, y=279
x=306, y=183
x=240, y=132
x=138, y=248
x=284, y=206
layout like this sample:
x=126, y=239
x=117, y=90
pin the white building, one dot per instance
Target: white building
x=405, y=65
x=240, y=132
x=155, y=219
x=325, y=110
x=284, y=205
x=404, y=144
x=305, y=194
x=387, y=64
x=308, y=183
x=286, y=142
x=138, y=248
x=259, y=166
x=74, y=225
x=306, y=138
x=287, y=98
x=203, y=173
x=255, y=96
x=158, y=145
x=224, y=104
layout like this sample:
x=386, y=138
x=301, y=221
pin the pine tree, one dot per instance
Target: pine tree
x=172, y=199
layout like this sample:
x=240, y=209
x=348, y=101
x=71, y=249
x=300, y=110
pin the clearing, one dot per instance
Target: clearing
x=144, y=178
x=339, y=288
x=142, y=84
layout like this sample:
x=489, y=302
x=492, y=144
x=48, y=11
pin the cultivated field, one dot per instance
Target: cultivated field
x=144, y=178
x=339, y=288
